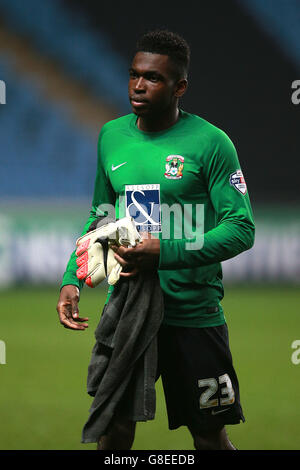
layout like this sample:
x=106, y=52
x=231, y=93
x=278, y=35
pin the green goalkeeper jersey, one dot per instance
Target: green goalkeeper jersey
x=185, y=185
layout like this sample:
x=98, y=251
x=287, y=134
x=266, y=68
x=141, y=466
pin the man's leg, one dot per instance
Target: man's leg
x=120, y=435
x=212, y=440
x=200, y=383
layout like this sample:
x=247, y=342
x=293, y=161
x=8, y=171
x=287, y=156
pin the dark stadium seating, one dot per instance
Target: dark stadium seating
x=42, y=153
x=280, y=20
x=65, y=36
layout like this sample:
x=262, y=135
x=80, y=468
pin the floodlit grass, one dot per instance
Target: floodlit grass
x=43, y=400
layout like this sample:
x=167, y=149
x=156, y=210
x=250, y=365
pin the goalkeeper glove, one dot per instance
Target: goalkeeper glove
x=95, y=258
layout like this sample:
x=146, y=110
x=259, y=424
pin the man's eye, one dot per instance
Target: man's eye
x=133, y=75
x=153, y=78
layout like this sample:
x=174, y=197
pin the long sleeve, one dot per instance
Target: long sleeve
x=234, y=230
x=103, y=194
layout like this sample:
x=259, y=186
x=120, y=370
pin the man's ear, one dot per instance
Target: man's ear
x=181, y=87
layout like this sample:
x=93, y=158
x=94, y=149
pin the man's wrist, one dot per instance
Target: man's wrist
x=70, y=279
x=70, y=285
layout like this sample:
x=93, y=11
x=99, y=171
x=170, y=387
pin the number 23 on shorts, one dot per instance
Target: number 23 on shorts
x=212, y=384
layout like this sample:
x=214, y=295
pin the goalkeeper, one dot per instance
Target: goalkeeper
x=161, y=157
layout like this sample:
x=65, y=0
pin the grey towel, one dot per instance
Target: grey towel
x=124, y=358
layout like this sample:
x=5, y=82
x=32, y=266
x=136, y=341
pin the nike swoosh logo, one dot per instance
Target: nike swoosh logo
x=219, y=411
x=114, y=168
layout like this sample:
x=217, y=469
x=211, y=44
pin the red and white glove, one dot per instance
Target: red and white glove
x=95, y=258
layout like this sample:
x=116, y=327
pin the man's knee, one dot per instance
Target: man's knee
x=120, y=436
x=125, y=429
x=205, y=443
x=212, y=440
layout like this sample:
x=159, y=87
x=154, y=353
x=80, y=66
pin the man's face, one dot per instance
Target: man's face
x=152, y=86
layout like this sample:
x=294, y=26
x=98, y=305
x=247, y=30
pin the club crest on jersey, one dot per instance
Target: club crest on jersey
x=174, y=167
x=143, y=204
x=237, y=180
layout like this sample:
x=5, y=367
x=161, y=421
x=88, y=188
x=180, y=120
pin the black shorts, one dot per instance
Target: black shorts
x=200, y=384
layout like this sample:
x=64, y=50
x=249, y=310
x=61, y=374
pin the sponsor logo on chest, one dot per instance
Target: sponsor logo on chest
x=143, y=204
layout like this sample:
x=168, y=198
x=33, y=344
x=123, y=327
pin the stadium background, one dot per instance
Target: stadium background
x=64, y=65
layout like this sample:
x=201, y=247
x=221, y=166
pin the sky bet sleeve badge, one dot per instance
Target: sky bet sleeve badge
x=174, y=167
x=237, y=180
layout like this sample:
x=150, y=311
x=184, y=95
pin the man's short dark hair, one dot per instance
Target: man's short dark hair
x=167, y=43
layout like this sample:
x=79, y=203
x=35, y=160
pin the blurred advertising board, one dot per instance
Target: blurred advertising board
x=36, y=240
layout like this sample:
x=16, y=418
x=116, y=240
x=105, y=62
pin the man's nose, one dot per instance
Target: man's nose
x=140, y=85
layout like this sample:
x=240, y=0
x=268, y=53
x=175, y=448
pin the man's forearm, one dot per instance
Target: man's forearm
x=219, y=244
x=69, y=276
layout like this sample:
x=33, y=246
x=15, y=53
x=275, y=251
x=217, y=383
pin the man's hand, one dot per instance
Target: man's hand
x=143, y=257
x=67, y=309
x=95, y=259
